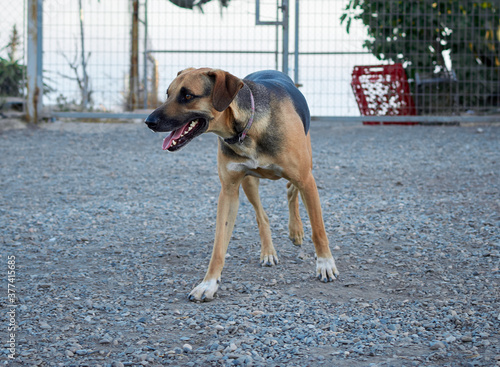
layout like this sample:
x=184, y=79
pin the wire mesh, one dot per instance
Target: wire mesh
x=86, y=54
x=220, y=38
x=87, y=50
x=449, y=50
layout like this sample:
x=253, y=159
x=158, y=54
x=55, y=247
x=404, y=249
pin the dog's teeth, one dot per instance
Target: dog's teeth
x=174, y=142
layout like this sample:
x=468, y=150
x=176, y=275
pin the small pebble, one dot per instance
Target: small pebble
x=467, y=338
x=44, y=325
x=437, y=345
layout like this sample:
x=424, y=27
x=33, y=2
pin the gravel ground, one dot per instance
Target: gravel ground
x=110, y=234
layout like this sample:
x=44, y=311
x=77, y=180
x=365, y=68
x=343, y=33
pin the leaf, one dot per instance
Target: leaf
x=342, y=18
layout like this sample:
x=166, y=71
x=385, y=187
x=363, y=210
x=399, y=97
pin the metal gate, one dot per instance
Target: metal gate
x=282, y=32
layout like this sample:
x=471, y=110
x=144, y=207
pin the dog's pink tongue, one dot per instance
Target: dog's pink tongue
x=167, y=143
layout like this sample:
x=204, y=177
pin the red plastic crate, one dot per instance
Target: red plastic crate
x=383, y=90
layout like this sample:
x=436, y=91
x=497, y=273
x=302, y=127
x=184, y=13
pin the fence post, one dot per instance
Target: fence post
x=34, y=68
x=145, y=57
x=133, y=99
x=285, y=10
x=296, y=51
x=284, y=23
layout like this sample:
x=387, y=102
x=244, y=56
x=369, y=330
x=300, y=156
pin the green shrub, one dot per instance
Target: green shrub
x=11, y=78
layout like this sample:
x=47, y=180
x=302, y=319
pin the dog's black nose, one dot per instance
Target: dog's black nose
x=152, y=121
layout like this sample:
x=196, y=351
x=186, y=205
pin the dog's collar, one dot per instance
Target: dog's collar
x=241, y=136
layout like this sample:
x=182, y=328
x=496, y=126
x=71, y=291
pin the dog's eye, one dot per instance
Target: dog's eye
x=186, y=96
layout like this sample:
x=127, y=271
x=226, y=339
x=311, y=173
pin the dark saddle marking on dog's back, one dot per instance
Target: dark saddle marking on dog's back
x=281, y=84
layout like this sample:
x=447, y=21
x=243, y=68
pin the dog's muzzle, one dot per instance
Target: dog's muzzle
x=153, y=121
x=181, y=132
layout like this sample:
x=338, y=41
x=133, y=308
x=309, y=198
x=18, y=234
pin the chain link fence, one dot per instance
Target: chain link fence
x=115, y=56
x=97, y=59
x=450, y=50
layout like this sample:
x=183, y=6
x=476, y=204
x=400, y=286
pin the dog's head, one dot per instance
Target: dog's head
x=195, y=100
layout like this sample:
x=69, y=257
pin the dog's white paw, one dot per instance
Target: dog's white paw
x=269, y=260
x=326, y=271
x=205, y=291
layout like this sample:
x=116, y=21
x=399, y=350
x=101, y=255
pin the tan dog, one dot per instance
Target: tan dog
x=263, y=126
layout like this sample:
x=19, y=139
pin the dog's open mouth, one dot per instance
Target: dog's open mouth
x=183, y=135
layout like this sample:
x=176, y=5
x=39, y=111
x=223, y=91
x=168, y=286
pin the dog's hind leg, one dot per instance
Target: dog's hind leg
x=295, y=227
x=268, y=255
x=326, y=271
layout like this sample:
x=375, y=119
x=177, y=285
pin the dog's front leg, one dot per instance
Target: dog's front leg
x=227, y=208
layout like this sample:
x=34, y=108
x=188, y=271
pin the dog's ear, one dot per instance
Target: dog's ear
x=226, y=88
